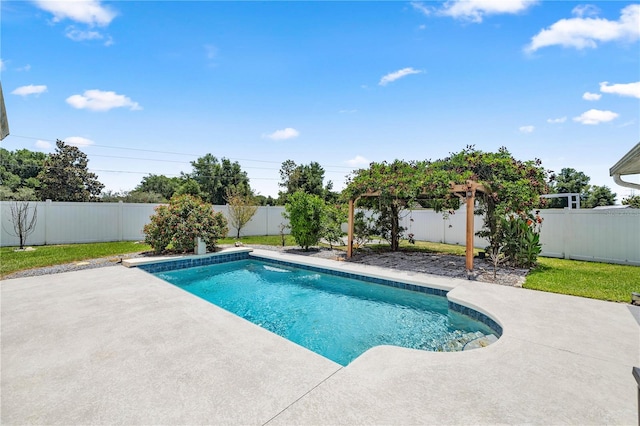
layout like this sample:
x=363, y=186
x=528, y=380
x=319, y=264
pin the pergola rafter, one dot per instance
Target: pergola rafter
x=466, y=192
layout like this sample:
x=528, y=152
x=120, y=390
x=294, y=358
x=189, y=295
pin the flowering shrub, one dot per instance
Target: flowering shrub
x=174, y=227
x=521, y=239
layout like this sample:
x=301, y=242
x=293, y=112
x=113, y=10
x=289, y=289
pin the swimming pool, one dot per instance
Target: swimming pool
x=337, y=317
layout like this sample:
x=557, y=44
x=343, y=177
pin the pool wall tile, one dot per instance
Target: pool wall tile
x=478, y=316
x=191, y=262
x=223, y=258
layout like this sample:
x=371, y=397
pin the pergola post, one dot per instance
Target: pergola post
x=470, y=200
x=468, y=192
x=352, y=203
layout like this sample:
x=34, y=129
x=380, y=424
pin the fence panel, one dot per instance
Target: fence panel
x=266, y=221
x=134, y=217
x=596, y=235
x=7, y=237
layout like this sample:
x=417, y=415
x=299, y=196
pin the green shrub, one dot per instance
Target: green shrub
x=174, y=227
x=521, y=239
x=334, y=217
x=306, y=216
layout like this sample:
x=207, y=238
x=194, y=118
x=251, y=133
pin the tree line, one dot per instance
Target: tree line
x=64, y=176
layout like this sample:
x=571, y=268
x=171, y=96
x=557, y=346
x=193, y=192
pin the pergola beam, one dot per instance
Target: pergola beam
x=465, y=191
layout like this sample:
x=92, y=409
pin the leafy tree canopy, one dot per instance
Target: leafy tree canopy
x=20, y=169
x=217, y=177
x=65, y=176
x=568, y=181
x=308, y=178
x=159, y=184
x=599, y=196
x=632, y=200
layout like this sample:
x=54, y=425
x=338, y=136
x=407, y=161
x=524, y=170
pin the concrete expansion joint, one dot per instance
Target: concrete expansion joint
x=302, y=396
x=583, y=355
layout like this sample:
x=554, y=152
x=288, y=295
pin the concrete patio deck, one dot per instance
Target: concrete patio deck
x=119, y=346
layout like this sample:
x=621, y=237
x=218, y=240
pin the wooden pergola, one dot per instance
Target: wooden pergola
x=466, y=192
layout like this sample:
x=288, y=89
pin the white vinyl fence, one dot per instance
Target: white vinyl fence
x=611, y=236
x=597, y=235
x=65, y=223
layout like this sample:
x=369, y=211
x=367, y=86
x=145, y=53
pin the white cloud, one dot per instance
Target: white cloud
x=3, y=65
x=526, y=129
x=30, y=90
x=628, y=89
x=358, y=161
x=420, y=7
x=98, y=100
x=81, y=35
x=586, y=32
x=90, y=12
x=78, y=141
x=556, y=120
x=595, y=116
x=476, y=10
x=585, y=10
x=25, y=68
x=393, y=76
x=287, y=133
x=588, y=96
x=43, y=145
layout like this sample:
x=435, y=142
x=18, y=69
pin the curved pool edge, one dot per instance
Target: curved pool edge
x=412, y=281
x=444, y=285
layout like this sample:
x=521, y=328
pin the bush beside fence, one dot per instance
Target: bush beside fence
x=597, y=235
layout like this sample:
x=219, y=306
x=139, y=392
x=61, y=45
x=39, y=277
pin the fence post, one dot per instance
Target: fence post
x=47, y=208
x=120, y=219
x=566, y=220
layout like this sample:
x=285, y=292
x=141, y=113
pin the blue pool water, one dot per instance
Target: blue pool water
x=338, y=318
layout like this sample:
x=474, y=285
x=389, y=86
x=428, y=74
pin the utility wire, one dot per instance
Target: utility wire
x=170, y=152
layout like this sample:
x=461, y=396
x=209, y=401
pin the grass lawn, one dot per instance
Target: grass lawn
x=595, y=280
x=586, y=279
x=11, y=261
x=266, y=240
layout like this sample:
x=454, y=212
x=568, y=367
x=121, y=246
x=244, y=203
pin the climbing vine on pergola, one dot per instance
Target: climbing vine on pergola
x=504, y=185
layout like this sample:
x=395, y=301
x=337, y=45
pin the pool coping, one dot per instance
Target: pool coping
x=118, y=345
x=420, y=282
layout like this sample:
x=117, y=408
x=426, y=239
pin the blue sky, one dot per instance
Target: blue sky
x=146, y=87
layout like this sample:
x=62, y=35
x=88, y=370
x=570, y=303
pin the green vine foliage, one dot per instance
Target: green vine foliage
x=397, y=185
x=174, y=227
x=513, y=187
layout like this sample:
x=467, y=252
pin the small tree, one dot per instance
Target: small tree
x=24, y=222
x=174, y=227
x=632, y=200
x=241, y=209
x=305, y=213
x=334, y=217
